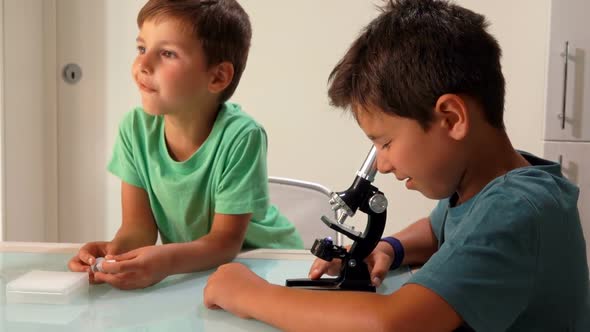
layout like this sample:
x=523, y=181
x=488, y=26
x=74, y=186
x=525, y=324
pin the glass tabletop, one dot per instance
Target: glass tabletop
x=175, y=304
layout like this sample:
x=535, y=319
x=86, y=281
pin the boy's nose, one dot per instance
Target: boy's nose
x=144, y=64
x=383, y=165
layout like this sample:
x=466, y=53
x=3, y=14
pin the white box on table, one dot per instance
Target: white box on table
x=47, y=287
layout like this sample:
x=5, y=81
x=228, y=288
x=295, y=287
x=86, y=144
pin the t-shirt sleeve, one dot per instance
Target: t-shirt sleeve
x=486, y=270
x=244, y=184
x=122, y=162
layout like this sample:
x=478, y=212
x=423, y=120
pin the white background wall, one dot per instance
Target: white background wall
x=2, y=209
x=26, y=116
x=295, y=46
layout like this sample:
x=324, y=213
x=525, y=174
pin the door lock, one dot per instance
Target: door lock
x=72, y=73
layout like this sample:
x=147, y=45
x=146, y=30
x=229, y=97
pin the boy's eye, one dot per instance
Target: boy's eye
x=141, y=49
x=386, y=145
x=168, y=54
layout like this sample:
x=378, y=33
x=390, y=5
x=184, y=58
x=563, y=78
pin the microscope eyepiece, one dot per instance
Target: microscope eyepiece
x=369, y=167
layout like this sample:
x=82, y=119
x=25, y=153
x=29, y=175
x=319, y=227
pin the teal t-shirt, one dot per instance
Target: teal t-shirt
x=513, y=257
x=226, y=175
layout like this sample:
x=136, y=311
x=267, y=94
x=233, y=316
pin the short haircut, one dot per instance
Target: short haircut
x=414, y=52
x=222, y=27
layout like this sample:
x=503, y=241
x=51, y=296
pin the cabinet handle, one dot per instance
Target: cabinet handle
x=564, y=98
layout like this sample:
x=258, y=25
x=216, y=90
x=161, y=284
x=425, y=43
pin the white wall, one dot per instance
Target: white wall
x=27, y=149
x=2, y=195
x=295, y=46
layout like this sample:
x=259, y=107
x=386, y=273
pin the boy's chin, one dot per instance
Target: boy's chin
x=431, y=194
x=152, y=111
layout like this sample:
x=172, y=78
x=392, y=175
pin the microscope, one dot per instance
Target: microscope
x=354, y=272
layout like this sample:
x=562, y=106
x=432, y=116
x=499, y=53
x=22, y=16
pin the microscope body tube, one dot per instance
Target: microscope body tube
x=348, y=201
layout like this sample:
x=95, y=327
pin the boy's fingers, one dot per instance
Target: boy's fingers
x=76, y=265
x=86, y=257
x=318, y=268
x=321, y=267
x=92, y=279
x=334, y=267
x=120, y=281
x=207, y=298
x=315, y=274
x=123, y=257
x=119, y=266
x=379, y=271
x=209, y=304
x=100, y=277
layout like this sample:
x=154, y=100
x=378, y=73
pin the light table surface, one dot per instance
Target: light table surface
x=174, y=304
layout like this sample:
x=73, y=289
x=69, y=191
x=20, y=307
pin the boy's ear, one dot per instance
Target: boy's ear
x=452, y=115
x=222, y=75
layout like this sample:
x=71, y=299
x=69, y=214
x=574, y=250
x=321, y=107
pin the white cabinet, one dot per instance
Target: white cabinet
x=568, y=74
x=567, y=111
x=575, y=165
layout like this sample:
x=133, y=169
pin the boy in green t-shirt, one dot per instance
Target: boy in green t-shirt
x=502, y=251
x=192, y=165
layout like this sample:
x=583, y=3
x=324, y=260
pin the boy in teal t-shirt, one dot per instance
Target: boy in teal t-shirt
x=502, y=251
x=512, y=257
x=192, y=165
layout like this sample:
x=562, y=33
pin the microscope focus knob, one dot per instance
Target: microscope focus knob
x=378, y=203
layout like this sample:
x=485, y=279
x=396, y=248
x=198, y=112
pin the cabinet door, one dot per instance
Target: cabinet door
x=567, y=110
x=575, y=161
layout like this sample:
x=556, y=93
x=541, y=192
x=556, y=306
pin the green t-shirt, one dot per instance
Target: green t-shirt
x=226, y=175
x=513, y=257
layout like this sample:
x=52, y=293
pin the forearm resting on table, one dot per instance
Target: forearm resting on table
x=419, y=242
x=305, y=310
x=129, y=238
x=205, y=253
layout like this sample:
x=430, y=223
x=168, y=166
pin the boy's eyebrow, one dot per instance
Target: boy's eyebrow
x=372, y=138
x=161, y=42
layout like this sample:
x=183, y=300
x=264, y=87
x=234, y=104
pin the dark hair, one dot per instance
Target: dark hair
x=414, y=52
x=222, y=26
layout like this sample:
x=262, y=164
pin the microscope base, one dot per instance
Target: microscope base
x=331, y=284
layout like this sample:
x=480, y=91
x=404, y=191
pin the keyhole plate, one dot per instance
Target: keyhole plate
x=72, y=73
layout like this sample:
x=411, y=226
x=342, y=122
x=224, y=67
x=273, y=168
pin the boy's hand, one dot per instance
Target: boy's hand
x=231, y=287
x=319, y=267
x=137, y=268
x=87, y=256
x=378, y=262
